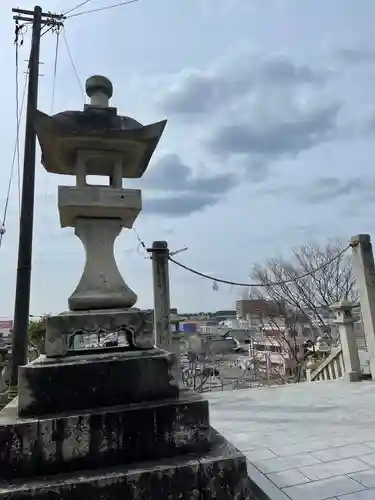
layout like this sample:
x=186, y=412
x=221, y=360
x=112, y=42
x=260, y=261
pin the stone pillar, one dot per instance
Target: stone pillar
x=162, y=308
x=345, y=322
x=101, y=285
x=364, y=269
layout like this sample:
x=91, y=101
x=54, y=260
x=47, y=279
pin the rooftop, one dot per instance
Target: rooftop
x=309, y=441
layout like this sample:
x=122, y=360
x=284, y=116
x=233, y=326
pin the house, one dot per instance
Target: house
x=255, y=309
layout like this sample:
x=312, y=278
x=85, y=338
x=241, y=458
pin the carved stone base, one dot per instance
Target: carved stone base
x=132, y=324
x=49, y=386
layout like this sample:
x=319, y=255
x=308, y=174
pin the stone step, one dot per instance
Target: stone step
x=53, y=385
x=219, y=474
x=116, y=435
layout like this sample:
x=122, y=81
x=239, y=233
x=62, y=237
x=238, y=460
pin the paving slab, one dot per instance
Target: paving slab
x=314, y=441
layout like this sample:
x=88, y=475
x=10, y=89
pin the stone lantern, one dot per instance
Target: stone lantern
x=108, y=422
x=97, y=141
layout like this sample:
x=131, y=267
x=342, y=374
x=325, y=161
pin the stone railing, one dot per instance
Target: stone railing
x=343, y=362
x=331, y=368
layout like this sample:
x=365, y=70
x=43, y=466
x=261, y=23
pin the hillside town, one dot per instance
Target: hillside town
x=255, y=343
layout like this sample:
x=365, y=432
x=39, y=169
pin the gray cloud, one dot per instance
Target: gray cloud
x=179, y=206
x=327, y=189
x=257, y=109
x=201, y=92
x=364, y=125
x=354, y=56
x=172, y=174
x=286, y=137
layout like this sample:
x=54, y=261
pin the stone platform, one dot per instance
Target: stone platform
x=116, y=435
x=52, y=385
x=218, y=474
x=113, y=425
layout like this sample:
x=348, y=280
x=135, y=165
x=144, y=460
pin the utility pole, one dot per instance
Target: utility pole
x=37, y=19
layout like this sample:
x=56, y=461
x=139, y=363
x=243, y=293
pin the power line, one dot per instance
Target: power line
x=18, y=119
x=77, y=7
x=57, y=30
x=55, y=69
x=72, y=63
x=141, y=244
x=51, y=27
x=15, y=151
x=100, y=9
x=261, y=285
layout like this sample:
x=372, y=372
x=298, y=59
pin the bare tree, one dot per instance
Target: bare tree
x=328, y=277
x=274, y=352
x=201, y=369
x=281, y=353
x=37, y=334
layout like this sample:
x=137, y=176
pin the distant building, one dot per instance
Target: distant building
x=226, y=313
x=211, y=344
x=258, y=308
x=242, y=337
x=189, y=327
x=6, y=326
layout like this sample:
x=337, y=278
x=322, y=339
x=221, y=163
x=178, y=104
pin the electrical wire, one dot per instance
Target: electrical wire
x=141, y=244
x=18, y=119
x=15, y=150
x=72, y=63
x=76, y=7
x=54, y=26
x=55, y=63
x=55, y=69
x=261, y=285
x=100, y=9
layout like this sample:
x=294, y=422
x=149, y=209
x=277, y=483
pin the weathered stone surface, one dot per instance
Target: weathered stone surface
x=61, y=136
x=162, y=480
x=101, y=285
x=189, y=477
x=99, y=202
x=223, y=473
x=49, y=386
x=139, y=325
x=67, y=442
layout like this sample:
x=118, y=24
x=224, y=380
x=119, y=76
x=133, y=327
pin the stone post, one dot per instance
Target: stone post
x=344, y=320
x=162, y=308
x=364, y=269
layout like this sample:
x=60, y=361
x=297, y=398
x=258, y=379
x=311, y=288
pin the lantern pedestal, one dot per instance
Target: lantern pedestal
x=101, y=285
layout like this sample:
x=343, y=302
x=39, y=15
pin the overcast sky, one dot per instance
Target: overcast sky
x=269, y=142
